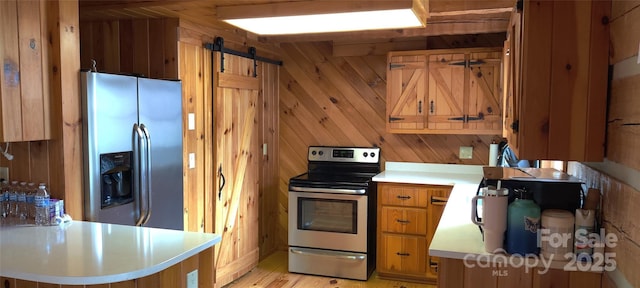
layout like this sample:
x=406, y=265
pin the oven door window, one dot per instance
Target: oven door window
x=328, y=215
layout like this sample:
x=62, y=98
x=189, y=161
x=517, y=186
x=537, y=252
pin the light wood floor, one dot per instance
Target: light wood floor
x=272, y=273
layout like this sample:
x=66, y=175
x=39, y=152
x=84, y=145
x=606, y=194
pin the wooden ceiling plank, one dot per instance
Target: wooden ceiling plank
x=472, y=12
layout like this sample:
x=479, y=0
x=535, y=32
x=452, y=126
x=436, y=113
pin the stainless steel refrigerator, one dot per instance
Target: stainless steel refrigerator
x=132, y=137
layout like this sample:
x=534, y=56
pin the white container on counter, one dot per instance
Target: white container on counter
x=556, y=234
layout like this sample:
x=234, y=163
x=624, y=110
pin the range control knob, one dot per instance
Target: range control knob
x=373, y=154
x=320, y=153
x=365, y=154
x=313, y=152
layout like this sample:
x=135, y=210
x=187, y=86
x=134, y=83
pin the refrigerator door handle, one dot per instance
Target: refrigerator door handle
x=147, y=172
x=137, y=181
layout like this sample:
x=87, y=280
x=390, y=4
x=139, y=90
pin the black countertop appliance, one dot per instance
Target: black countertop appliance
x=551, y=188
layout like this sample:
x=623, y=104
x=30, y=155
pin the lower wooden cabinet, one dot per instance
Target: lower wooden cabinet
x=408, y=215
x=453, y=273
x=172, y=277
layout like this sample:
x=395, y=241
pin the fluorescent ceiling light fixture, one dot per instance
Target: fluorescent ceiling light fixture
x=325, y=16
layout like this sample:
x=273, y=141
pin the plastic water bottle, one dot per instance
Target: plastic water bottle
x=13, y=200
x=23, y=212
x=42, y=205
x=2, y=202
x=31, y=201
x=4, y=194
x=523, y=220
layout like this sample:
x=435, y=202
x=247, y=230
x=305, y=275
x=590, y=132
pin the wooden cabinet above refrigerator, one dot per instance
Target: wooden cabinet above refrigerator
x=24, y=78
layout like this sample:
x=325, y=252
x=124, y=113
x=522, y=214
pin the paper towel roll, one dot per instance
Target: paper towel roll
x=493, y=154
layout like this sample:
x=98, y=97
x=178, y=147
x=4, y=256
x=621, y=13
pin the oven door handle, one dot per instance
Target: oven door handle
x=329, y=254
x=328, y=190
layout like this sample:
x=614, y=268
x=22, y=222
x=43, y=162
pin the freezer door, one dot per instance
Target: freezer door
x=160, y=111
x=109, y=105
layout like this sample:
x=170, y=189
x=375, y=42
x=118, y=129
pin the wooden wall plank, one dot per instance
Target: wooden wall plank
x=126, y=39
x=156, y=48
x=189, y=65
x=170, y=48
x=619, y=7
x=140, y=46
x=625, y=36
x=620, y=205
x=268, y=162
x=111, y=50
x=623, y=133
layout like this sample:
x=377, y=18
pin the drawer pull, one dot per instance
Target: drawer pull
x=403, y=221
x=403, y=254
x=404, y=197
x=439, y=200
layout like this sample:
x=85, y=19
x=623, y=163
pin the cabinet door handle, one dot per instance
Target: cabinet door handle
x=431, y=107
x=403, y=221
x=439, y=200
x=420, y=107
x=403, y=197
x=402, y=254
x=221, y=183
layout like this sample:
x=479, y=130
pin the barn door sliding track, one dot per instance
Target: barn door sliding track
x=218, y=45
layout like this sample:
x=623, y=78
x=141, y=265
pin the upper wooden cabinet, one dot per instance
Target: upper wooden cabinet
x=557, y=80
x=453, y=91
x=24, y=89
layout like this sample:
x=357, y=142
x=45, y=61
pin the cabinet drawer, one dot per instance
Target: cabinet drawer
x=404, y=220
x=403, y=254
x=404, y=195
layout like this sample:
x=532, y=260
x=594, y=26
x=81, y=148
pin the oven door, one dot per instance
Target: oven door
x=328, y=221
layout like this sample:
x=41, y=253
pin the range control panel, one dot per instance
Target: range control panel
x=344, y=154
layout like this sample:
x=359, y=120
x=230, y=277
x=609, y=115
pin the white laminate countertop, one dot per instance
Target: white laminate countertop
x=78, y=252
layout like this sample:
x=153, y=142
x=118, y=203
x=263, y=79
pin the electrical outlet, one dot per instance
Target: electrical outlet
x=4, y=173
x=192, y=279
x=466, y=152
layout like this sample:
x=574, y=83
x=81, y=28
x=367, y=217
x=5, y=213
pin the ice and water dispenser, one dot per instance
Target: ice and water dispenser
x=116, y=179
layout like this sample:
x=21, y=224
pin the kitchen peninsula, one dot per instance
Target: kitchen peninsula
x=455, y=246
x=88, y=253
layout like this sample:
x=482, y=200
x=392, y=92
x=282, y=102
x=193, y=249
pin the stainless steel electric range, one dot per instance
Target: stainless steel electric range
x=332, y=213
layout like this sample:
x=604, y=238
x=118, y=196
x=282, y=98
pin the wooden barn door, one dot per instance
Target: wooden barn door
x=236, y=167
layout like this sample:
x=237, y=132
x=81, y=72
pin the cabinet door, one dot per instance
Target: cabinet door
x=24, y=93
x=406, y=89
x=484, y=103
x=402, y=254
x=446, y=91
x=464, y=92
x=511, y=69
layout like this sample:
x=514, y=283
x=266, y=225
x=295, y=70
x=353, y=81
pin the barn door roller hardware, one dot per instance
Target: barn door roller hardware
x=218, y=45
